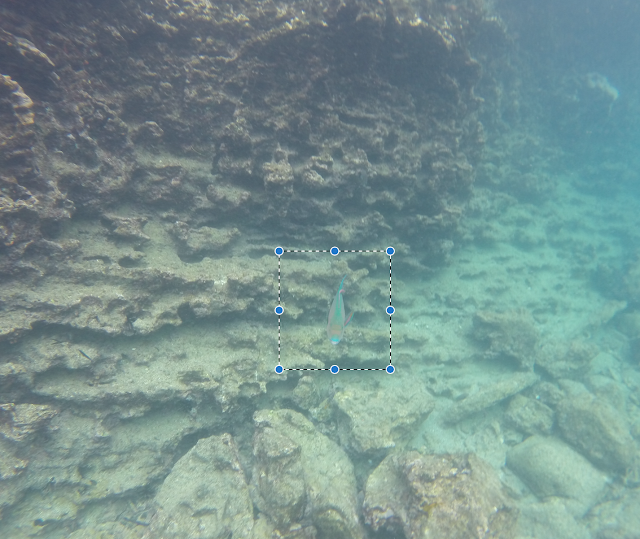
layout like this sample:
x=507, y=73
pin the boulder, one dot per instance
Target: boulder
x=300, y=474
x=598, y=431
x=205, y=496
x=549, y=467
x=444, y=496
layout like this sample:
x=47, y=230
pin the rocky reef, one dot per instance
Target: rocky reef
x=152, y=155
x=325, y=122
x=152, y=152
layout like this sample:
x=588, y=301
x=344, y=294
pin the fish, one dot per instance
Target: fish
x=336, y=321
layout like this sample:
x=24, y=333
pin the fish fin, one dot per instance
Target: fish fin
x=348, y=319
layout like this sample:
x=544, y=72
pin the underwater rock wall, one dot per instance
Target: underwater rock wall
x=325, y=121
x=150, y=152
x=188, y=129
x=141, y=138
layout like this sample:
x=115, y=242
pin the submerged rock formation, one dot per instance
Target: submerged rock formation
x=302, y=476
x=223, y=126
x=151, y=152
x=324, y=121
x=448, y=496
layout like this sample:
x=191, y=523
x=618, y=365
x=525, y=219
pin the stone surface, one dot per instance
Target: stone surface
x=235, y=127
x=616, y=519
x=19, y=421
x=530, y=415
x=205, y=495
x=92, y=458
x=598, y=431
x=444, y=496
x=300, y=472
x=10, y=465
x=192, y=245
x=374, y=420
x=306, y=394
x=511, y=335
x=566, y=359
x=489, y=395
x=549, y=467
x=550, y=518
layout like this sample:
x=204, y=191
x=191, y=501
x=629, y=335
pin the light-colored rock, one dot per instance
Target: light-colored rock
x=126, y=228
x=10, y=466
x=529, y=415
x=376, y=420
x=280, y=173
x=617, y=519
x=598, y=431
x=19, y=421
x=299, y=471
x=565, y=359
x=443, y=496
x=489, y=395
x=549, y=467
x=549, y=519
x=205, y=496
x=305, y=394
x=280, y=477
x=511, y=335
x=203, y=241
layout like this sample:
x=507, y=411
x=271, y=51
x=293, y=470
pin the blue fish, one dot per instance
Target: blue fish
x=336, y=321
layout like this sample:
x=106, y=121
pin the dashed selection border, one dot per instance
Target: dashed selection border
x=279, y=310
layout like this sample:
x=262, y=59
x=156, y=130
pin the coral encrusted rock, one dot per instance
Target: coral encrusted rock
x=444, y=496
